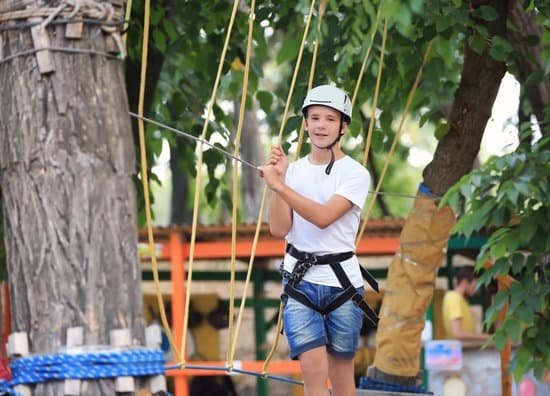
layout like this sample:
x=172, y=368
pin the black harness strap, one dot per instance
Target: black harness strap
x=306, y=260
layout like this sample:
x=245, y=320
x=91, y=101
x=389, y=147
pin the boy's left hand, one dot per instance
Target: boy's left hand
x=271, y=176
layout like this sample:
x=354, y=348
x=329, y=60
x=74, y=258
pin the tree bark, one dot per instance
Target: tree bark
x=69, y=202
x=481, y=77
x=251, y=151
x=529, y=58
x=423, y=241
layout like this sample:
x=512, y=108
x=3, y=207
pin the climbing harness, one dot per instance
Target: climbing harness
x=308, y=260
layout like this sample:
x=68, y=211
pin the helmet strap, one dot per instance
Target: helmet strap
x=330, y=146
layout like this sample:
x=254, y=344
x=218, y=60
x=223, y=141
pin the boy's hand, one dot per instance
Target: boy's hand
x=278, y=159
x=272, y=177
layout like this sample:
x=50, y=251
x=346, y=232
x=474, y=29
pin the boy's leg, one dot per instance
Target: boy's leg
x=315, y=366
x=341, y=376
x=343, y=327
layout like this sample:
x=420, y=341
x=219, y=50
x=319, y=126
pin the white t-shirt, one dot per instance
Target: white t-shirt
x=347, y=178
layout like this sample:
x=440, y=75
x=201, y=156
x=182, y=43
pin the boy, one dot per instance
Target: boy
x=316, y=205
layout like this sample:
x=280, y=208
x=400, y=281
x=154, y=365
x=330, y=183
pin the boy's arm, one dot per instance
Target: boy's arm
x=321, y=215
x=279, y=216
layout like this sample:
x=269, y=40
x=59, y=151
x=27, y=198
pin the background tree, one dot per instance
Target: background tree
x=68, y=199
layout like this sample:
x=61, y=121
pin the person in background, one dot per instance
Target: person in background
x=458, y=319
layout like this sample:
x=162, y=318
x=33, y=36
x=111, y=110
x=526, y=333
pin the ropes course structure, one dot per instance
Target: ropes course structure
x=234, y=328
x=132, y=359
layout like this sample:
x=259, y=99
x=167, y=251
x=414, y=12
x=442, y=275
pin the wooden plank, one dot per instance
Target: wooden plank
x=13, y=5
x=41, y=40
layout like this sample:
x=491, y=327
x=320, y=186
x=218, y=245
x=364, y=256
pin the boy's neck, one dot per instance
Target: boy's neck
x=319, y=156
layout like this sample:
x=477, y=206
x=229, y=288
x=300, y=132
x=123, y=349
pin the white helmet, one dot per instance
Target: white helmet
x=330, y=96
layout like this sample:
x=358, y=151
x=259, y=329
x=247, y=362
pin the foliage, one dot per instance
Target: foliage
x=509, y=197
x=190, y=34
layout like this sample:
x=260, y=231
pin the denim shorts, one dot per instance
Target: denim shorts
x=307, y=329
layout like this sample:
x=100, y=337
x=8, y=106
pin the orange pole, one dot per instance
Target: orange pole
x=506, y=377
x=177, y=260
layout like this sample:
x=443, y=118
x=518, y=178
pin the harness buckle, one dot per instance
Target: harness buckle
x=310, y=260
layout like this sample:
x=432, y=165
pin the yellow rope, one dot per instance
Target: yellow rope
x=198, y=181
x=145, y=181
x=395, y=140
x=126, y=23
x=265, y=366
x=367, y=55
x=375, y=99
x=229, y=357
x=322, y=8
x=264, y=192
x=249, y=272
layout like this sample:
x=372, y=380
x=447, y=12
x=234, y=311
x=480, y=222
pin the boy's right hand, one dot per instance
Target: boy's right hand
x=278, y=159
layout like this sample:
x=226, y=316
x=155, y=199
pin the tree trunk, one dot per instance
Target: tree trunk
x=456, y=152
x=69, y=202
x=529, y=58
x=423, y=241
x=180, y=213
x=252, y=151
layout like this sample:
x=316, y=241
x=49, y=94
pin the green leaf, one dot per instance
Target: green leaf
x=441, y=130
x=500, y=49
x=160, y=40
x=487, y=13
x=527, y=229
x=289, y=50
x=500, y=339
x=482, y=30
x=169, y=29
x=518, y=260
x=512, y=327
x=524, y=314
x=535, y=78
x=265, y=99
x=477, y=43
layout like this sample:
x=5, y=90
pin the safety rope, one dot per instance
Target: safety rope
x=365, y=59
x=126, y=22
x=199, y=178
x=264, y=192
x=375, y=99
x=230, y=341
x=321, y=13
x=394, y=143
x=145, y=178
x=84, y=365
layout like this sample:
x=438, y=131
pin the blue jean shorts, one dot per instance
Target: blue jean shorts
x=307, y=329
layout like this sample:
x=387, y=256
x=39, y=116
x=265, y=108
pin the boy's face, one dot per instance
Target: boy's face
x=323, y=125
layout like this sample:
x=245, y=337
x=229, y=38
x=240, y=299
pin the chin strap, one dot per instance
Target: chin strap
x=330, y=146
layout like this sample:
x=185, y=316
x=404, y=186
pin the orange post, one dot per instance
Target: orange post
x=177, y=260
x=506, y=377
